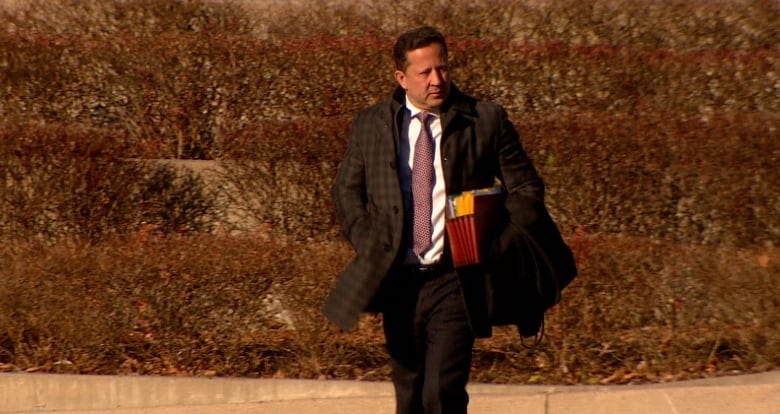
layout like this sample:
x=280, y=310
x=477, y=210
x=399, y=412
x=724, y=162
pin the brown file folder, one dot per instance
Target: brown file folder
x=471, y=217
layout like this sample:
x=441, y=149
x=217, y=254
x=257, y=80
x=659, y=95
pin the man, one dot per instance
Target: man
x=404, y=156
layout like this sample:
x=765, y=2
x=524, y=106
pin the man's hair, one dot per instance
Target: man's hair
x=415, y=39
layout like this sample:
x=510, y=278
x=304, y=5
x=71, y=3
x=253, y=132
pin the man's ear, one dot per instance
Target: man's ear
x=400, y=77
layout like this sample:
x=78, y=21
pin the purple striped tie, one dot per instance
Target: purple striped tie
x=422, y=187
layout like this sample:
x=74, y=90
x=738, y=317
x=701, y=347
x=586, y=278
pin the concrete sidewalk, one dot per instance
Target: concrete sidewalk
x=27, y=393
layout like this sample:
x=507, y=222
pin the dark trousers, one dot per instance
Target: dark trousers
x=430, y=345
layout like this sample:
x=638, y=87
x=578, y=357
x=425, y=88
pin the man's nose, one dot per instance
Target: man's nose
x=436, y=77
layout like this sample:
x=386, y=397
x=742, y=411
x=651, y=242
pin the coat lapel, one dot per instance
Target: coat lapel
x=458, y=116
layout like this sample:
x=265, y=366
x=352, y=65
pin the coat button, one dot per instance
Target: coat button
x=395, y=209
x=387, y=247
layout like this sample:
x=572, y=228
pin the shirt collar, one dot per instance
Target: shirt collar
x=415, y=110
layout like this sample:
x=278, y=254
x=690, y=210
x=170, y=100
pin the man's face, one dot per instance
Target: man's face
x=426, y=78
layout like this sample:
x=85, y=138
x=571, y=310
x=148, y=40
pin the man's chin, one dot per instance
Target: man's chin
x=435, y=101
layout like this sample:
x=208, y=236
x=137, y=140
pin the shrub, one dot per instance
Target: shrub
x=249, y=306
x=70, y=182
x=653, y=124
x=156, y=313
x=703, y=179
x=198, y=70
x=279, y=175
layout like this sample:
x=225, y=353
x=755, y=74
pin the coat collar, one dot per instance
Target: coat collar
x=456, y=104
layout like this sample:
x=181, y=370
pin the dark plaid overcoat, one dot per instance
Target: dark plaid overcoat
x=479, y=145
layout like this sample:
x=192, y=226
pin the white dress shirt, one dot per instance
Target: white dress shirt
x=439, y=197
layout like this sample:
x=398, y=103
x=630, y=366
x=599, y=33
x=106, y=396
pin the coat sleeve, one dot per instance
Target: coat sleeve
x=525, y=190
x=531, y=262
x=349, y=190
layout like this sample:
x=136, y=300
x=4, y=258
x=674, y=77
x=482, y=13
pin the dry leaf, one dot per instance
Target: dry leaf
x=617, y=375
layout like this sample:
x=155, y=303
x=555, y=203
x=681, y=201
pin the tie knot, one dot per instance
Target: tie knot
x=424, y=117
